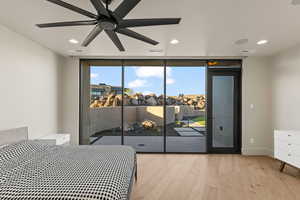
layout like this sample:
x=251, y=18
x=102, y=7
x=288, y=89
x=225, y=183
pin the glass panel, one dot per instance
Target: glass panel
x=186, y=109
x=105, y=105
x=143, y=108
x=223, y=111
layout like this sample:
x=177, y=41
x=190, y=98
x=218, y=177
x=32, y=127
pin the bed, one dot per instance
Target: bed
x=33, y=170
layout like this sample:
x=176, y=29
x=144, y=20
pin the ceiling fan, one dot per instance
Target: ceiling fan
x=111, y=22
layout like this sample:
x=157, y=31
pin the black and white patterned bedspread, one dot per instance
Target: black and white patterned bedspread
x=31, y=170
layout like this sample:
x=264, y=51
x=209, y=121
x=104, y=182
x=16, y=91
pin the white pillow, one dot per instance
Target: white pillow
x=3, y=145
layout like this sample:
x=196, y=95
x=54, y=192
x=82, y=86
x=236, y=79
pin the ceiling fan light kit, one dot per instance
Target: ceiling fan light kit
x=111, y=22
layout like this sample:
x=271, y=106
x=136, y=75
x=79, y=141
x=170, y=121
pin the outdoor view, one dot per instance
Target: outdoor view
x=143, y=121
x=186, y=95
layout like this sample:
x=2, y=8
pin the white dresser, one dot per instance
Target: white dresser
x=287, y=147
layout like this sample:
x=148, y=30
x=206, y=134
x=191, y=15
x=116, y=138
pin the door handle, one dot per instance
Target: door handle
x=221, y=128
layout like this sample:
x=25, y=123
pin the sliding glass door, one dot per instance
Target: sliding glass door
x=143, y=108
x=105, y=105
x=186, y=108
x=101, y=103
x=173, y=106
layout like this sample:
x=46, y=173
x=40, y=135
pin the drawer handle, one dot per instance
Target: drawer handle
x=289, y=154
x=289, y=135
x=289, y=144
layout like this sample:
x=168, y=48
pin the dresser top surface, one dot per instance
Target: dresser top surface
x=55, y=136
x=286, y=131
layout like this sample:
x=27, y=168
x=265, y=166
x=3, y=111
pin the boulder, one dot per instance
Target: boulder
x=95, y=104
x=110, y=100
x=117, y=101
x=148, y=124
x=134, y=102
x=160, y=100
x=151, y=101
x=126, y=100
x=190, y=102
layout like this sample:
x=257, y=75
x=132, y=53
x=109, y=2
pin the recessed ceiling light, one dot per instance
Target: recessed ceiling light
x=174, y=41
x=260, y=42
x=76, y=51
x=247, y=51
x=244, y=51
x=156, y=50
x=73, y=41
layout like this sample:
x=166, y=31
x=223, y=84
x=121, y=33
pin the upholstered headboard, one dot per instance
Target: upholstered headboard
x=13, y=135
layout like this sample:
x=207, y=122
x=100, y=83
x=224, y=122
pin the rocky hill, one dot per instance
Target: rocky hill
x=138, y=99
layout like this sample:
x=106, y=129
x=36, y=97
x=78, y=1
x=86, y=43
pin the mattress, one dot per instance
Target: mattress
x=31, y=170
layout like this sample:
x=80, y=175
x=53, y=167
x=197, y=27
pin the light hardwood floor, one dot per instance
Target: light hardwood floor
x=213, y=177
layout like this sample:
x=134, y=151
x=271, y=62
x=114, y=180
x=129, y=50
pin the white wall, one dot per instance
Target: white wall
x=29, y=85
x=70, y=98
x=286, y=89
x=257, y=122
x=272, y=85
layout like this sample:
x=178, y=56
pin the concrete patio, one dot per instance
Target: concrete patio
x=155, y=143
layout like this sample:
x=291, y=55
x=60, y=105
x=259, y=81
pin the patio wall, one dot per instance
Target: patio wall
x=187, y=111
x=106, y=118
x=110, y=117
x=156, y=114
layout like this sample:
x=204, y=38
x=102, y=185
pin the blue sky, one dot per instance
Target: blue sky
x=180, y=80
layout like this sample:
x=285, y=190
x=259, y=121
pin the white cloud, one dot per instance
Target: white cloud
x=138, y=83
x=146, y=72
x=94, y=75
x=170, y=81
x=147, y=92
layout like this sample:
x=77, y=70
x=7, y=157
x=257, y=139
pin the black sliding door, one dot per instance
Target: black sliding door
x=161, y=106
x=143, y=123
x=186, y=107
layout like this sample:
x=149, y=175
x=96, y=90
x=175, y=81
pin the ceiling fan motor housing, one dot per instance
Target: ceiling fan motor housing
x=108, y=25
x=107, y=1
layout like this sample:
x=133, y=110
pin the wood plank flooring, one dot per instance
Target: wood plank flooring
x=213, y=177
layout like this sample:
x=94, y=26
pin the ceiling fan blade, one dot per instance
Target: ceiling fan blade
x=95, y=32
x=100, y=7
x=125, y=7
x=72, y=23
x=114, y=37
x=74, y=8
x=148, y=22
x=137, y=36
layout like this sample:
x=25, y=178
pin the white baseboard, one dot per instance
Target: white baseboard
x=257, y=151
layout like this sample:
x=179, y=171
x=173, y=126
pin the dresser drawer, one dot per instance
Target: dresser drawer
x=288, y=136
x=282, y=154
x=294, y=160
x=289, y=147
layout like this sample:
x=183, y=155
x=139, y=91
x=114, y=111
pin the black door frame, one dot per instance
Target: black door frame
x=225, y=67
x=237, y=109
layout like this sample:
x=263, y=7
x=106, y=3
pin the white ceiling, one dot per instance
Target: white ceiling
x=208, y=27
